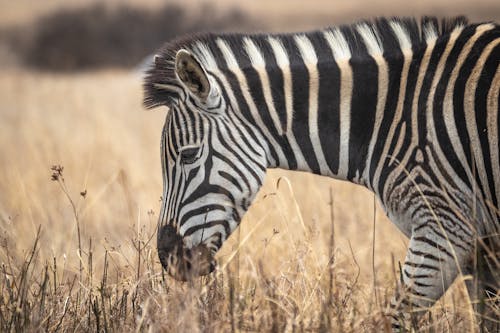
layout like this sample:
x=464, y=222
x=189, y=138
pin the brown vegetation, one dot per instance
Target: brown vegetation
x=78, y=251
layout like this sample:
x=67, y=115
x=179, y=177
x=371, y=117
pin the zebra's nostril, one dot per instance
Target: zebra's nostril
x=168, y=237
x=169, y=243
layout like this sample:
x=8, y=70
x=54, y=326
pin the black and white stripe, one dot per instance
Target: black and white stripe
x=408, y=109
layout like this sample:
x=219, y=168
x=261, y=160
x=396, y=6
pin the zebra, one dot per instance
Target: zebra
x=405, y=107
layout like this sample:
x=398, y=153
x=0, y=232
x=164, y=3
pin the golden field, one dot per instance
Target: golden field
x=79, y=253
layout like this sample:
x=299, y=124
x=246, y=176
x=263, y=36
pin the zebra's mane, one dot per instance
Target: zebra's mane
x=383, y=35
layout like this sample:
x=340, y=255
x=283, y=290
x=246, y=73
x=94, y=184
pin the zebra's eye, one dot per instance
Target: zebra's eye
x=189, y=154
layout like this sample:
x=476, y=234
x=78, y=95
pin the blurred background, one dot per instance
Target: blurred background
x=70, y=95
x=86, y=34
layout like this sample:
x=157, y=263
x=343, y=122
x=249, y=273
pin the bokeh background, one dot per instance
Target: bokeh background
x=77, y=252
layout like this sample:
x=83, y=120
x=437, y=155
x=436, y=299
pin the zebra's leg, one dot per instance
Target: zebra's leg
x=484, y=286
x=432, y=263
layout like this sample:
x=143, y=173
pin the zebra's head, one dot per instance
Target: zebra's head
x=212, y=165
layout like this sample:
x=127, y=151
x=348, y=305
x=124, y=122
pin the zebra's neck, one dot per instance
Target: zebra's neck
x=319, y=101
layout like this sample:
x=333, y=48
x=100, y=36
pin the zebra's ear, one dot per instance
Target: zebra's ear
x=192, y=75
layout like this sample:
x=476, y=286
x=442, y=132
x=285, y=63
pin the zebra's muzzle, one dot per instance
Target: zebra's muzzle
x=180, y=262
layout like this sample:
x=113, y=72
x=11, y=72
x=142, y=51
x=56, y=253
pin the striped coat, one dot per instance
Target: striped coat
x=408, y=109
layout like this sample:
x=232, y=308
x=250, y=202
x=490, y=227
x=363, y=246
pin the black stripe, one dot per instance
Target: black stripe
x=394, y=58
x=407, y=113
x=432, y=243
x=242, y=174
x=413, y=292
x=437, y=230
x=277, y=83
x=458, y=98
x=254, y=86
x=300, y=90
x=174, y=132
x=363, y=110
x=277, y=88
x=414, y=281
x=481, y=99
x=328, y=102
x=205, y=189
x=424, y=254
x=246, y=167
x=236, y=89
x=235, y=116
x=231, y=179
x=419, y=276
x=210, y=224
x=422, y=266
x=242, y=148
x=201, y=210
x=442, y=136
x=243, y=136
x=436, y=54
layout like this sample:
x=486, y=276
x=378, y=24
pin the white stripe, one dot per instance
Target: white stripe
x=431, y=131
x=441, y=158
x=470, y=116
x=259, y=64
x=414, y=111
x=338, y=44
x=205, y=57
x=449, y=118
x=399, y=144
x=209, y=60
x=374, y=46
x=171, y=87
x=234, y=67
x=402, y=35
x=196, y=124
x=430, y=33
x=371, y=39
x=180, y=126
x=311, y=61
x=341, y=52
x=405, y=46
x=284, y=65
x=185, y=128
x=492, y=121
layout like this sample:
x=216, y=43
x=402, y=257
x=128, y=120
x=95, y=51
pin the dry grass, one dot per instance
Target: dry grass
x=283, y=270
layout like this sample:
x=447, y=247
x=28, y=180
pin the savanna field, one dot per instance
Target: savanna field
x=80, y=187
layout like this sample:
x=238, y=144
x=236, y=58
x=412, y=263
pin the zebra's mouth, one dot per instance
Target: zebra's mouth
x=180, y=262
x=188, y=264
